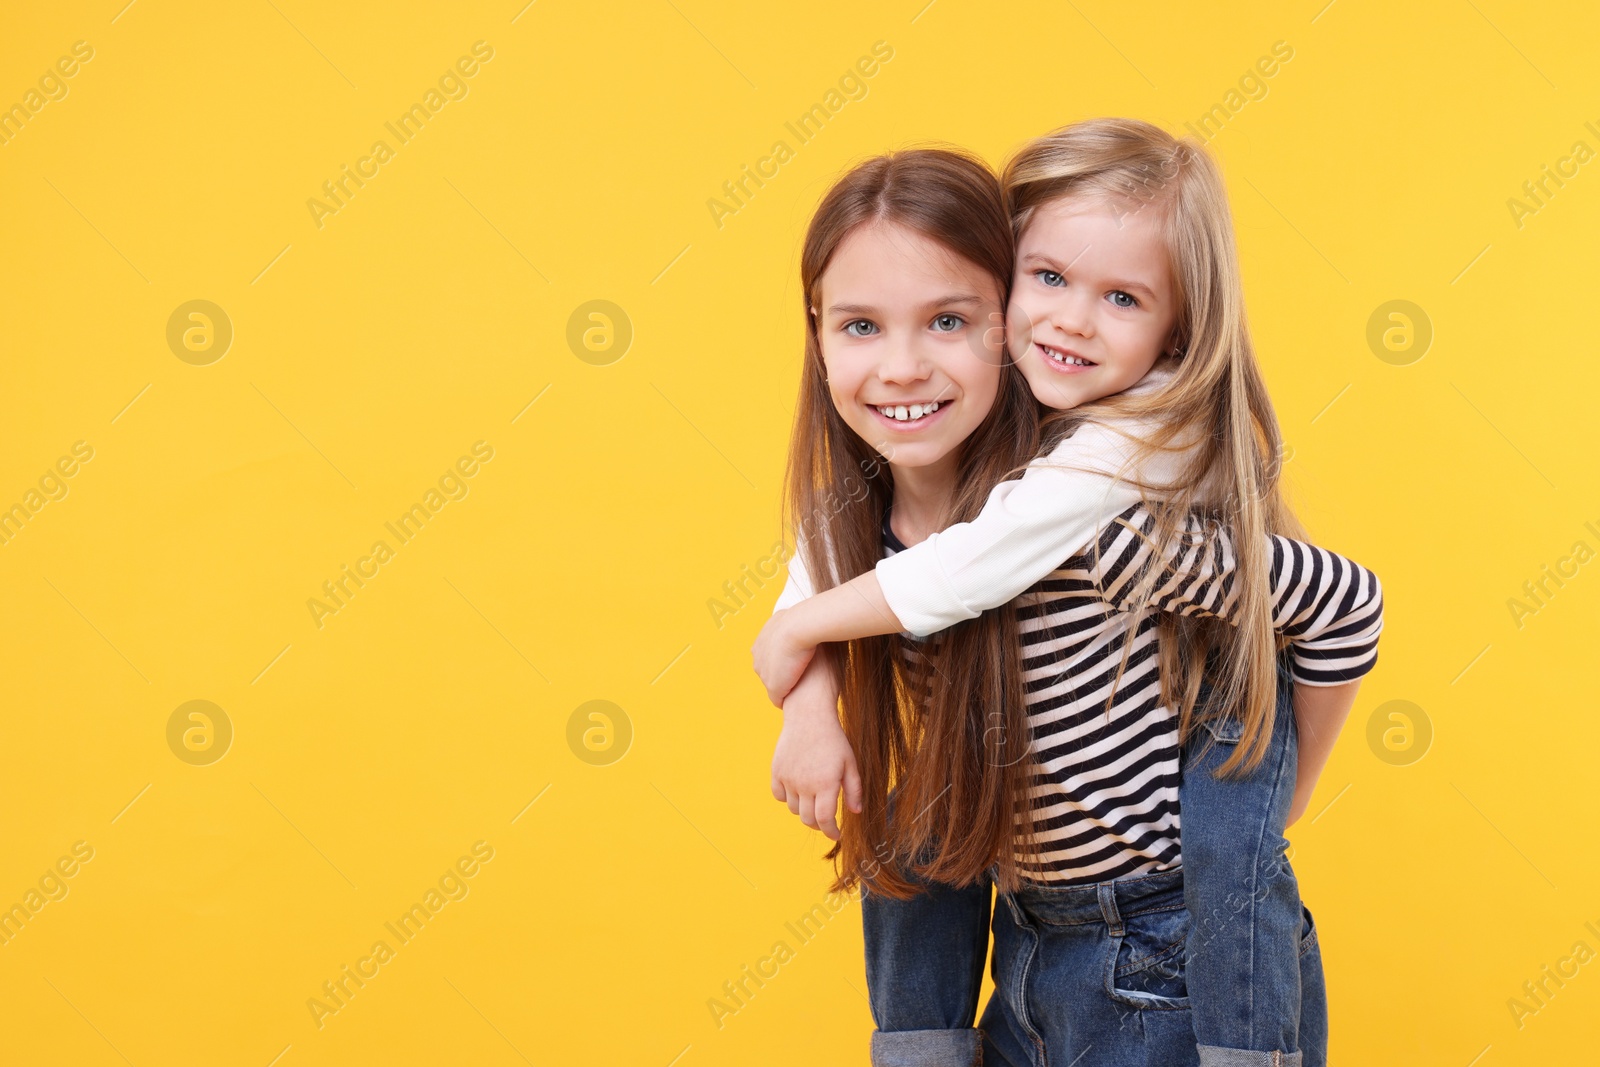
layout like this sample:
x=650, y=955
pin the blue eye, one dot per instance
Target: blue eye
x=1050, y=278
x=948, y=323
x=870, y=328
x=1115, y=293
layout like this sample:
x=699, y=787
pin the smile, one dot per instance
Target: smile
x=1062, y=360
x=909, y=416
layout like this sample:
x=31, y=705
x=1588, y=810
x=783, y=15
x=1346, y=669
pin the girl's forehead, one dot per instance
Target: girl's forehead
x=892, y=258
x=1103, y=228
x=1093, y=206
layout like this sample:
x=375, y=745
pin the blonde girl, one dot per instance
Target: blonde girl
x=1158, y=494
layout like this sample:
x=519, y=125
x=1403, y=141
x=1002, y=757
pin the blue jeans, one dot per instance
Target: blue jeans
x=1250, y=975
x=925, y=959
x=1253, y=968
x=1091, y=974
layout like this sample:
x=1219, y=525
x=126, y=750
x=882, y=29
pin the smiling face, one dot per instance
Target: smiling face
x=909, y=344
x=1093, y=303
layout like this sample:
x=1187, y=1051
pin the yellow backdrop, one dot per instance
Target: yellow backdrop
x=383, y=387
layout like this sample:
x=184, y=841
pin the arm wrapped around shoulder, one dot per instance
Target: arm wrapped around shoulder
x=1330, y=607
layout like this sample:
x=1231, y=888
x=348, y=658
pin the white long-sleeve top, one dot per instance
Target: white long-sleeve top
x=1028, y=525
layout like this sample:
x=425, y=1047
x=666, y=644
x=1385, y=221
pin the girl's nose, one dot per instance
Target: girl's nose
x=1071, y=313
x=902, y=362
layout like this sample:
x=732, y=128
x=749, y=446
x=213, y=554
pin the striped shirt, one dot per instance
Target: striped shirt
x=1105, y=787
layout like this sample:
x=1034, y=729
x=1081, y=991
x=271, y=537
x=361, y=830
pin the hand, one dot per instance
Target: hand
x=813, y=761
x=778, y=659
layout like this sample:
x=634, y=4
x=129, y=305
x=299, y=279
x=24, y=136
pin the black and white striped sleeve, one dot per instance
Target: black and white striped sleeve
x=1330, y=607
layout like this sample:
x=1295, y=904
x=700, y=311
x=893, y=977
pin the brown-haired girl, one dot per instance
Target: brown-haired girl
x=1127, y=319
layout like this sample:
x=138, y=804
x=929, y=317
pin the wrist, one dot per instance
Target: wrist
x=794, y=629
x=811, y=712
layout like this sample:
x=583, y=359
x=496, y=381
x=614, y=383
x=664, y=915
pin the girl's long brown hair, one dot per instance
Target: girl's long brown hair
x=1216, y=401
x=952, y=741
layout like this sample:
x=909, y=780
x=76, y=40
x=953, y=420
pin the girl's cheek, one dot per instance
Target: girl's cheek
x=833, y=385
x=1019, y=328
x=841, y=401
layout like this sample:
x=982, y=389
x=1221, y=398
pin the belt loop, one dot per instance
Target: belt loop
x=1017, y=915
x=1107, y=892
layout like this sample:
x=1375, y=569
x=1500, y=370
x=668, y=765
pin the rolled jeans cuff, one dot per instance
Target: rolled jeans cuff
x=930, y=1048
x=1215, y=1056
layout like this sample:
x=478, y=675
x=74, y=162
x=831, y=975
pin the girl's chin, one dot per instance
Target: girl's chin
x=912, y=455
x=910, y=448
x=1054, y=389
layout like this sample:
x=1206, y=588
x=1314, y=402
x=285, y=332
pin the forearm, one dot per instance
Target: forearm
x=844, y=613
x=815, y=694
x=1319, y=714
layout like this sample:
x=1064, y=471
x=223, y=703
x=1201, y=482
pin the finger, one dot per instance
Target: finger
x=777, y=787
x=797, y=669
x=852, y=785
x=828, y=811
x=793, y=800
x=808, y=810
x=774, y=693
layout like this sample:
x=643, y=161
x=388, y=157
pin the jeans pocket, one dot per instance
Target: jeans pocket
x=1146, y=966
x=1214, y=739
x=1308, y=940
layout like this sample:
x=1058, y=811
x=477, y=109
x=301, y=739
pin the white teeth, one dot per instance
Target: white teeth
x=908, y=412
x=1074, y=360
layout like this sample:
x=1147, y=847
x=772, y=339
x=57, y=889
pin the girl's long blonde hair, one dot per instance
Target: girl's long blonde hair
x=1216, y=403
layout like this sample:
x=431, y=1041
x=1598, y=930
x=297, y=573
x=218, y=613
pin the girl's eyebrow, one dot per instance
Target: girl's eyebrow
x=1132, y=287
x=1051, y=262
x=943, y=301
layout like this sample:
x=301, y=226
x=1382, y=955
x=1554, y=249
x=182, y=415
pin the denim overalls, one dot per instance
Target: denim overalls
x=1216, y=964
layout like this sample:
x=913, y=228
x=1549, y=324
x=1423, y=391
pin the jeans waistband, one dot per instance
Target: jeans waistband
x=1101, y=902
